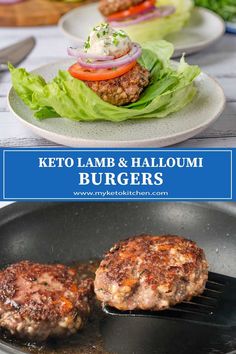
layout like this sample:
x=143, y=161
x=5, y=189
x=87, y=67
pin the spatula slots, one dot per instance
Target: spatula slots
x=215, y=307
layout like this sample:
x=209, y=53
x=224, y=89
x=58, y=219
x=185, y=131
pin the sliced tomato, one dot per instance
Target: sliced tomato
x=133, y=10
x=101, y=74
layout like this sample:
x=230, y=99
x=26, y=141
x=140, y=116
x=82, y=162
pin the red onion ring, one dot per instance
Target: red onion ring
x=160, y=12
x=79, y=53
x=134, y=54
x=151, y=8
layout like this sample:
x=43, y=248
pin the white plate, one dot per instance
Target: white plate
x=204, y=28
x=202, y=111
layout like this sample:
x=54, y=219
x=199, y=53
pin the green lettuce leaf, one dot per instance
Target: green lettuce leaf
x=159, y=28
x=170, y=89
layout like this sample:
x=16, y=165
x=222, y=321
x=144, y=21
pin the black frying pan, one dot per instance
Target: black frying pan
x=67, y=232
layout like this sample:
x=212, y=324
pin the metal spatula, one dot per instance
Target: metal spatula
x=215, y=307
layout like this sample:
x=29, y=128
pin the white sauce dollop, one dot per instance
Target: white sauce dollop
x=104, y=40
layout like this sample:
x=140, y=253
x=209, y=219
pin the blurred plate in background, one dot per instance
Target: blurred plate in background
x=204, y=28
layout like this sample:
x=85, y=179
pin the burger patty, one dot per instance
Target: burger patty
x=38, y=301
x=108, y=7
x=123, y=89
x=151, y=273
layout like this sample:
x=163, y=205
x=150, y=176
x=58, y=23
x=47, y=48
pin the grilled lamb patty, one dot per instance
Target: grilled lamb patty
x=108, y=7
x=38, y=301
x=123, y=89
x=151, y=273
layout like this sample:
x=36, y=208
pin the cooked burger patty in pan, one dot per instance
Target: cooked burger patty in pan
x=123, y=89
x=38, y=301
x=151, y=273
x=108, y=7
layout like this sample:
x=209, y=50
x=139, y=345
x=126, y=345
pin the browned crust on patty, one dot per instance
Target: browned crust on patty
x=151, y=272
x=108, y=7
x=56, y=301
x=39, y=300
x=124, y=89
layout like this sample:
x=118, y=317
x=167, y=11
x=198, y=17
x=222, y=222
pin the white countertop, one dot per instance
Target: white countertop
x=219, y=60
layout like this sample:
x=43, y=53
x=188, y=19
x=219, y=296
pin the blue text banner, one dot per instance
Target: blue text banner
x=117, y=174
